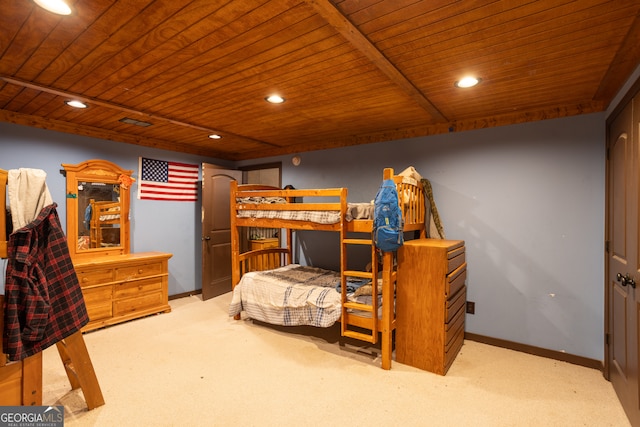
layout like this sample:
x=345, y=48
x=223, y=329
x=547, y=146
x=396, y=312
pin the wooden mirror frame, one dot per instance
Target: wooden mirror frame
x=97, y=171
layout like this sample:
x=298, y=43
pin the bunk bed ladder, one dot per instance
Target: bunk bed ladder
x=371, y=309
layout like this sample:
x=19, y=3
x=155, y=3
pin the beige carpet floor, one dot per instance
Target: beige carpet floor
x=197, y=367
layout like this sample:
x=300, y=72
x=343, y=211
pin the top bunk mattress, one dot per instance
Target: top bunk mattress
x=354, y=211
x=265, y=203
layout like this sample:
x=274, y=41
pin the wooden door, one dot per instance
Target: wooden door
x=622, y=294
x=216, y=232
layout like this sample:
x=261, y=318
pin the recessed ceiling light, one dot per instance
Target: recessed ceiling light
x=275, y=99
x=76, y=104
x=58, y=7
x=467, y=82
x=215, y=136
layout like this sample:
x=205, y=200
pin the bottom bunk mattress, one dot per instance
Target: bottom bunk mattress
x=292, y=295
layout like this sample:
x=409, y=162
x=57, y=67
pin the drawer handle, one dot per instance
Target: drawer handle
x=139, y=271
x=85, y=280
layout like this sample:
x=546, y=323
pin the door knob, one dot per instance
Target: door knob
x=626, y=280
x=209, y=238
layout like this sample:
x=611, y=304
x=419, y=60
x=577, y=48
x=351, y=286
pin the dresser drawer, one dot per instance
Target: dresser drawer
x=452, y=349
x=455, y=281
x=454, y=328
x=138, y=271
x=454, y=304
x=94, y=277
x=126, y=306
x=98, y=302
x=455, y=261
x=137, y=287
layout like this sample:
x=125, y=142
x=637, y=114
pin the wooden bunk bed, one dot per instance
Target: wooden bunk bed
x=105, y=215
x=362, y=321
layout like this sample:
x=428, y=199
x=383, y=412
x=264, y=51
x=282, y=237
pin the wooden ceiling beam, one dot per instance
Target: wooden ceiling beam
x=360, y=42
x=127, y=110
x=99, y=133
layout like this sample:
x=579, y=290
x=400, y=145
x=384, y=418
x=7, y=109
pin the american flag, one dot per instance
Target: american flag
x=160, y=180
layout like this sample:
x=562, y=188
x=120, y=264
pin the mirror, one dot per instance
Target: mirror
x=97, y=209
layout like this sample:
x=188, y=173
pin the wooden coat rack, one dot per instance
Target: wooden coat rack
x=21, y=381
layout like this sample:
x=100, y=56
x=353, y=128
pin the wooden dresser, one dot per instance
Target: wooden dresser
x=124, y=287
x=430, y=303
x=117, y=285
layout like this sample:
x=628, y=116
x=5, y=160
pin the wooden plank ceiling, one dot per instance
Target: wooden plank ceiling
x=352, y=71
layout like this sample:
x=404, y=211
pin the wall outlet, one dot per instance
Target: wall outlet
x=471, y=307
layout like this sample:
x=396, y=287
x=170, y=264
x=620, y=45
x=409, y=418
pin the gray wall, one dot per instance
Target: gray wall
x=155, y=225
x=527, y=199
x=529, y=202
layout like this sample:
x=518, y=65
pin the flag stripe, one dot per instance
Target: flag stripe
x=176, y=186
x=161, y=180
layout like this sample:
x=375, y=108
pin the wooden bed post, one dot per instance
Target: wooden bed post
x=235, y=236
x=388, y=285
x=235, y=239
x=290, y=246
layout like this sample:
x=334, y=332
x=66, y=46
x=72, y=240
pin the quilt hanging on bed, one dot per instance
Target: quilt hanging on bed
x=293, y=295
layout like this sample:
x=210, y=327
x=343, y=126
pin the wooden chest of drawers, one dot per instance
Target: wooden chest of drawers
x=430, y=303
x=124, y=287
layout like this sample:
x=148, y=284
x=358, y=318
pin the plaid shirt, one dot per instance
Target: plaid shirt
x=43, y=299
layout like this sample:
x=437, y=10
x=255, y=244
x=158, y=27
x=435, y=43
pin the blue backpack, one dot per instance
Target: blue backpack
x=387, y=218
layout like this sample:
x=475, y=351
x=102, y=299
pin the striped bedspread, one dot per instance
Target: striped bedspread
x=319, y=217
x=293, y=295
x=354, y=211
